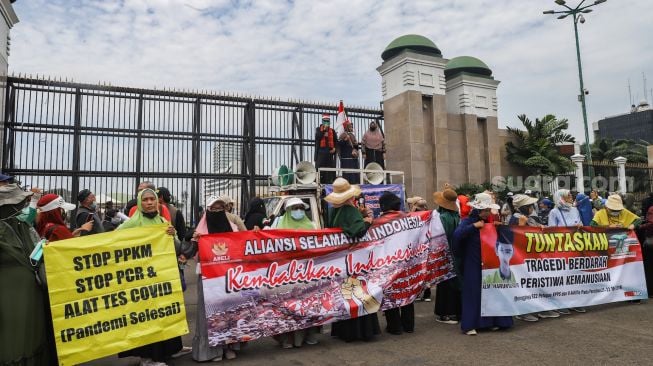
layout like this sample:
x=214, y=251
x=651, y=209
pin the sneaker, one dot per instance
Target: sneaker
x=445, y=319
x=217, y=359
x=183, y=351
x=471, y=332
x=563, y=311
x=579, y=310
x=230, y=354
x=427, y=299
x=494, y=329
x=284, y=345
x=527, y=317
x=146, y=362
x=548, y=314
x=311, y=340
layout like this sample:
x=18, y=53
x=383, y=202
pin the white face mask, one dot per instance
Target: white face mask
x=298, y=214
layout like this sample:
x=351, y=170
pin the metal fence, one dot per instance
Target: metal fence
x=64, y=137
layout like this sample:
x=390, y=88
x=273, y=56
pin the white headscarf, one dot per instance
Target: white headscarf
x=559, y=200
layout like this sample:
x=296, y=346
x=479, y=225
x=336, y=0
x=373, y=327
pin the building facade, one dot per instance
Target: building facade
x=440, y=117
x=636, y=125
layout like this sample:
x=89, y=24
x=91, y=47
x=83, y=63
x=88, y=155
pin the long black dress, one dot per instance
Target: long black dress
x=350, y=220
x=348, y=161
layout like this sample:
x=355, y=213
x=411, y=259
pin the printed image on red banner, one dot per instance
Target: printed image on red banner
x=259, y=284
x=529, y=269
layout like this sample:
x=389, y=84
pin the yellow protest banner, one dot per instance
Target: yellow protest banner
x=113, y=292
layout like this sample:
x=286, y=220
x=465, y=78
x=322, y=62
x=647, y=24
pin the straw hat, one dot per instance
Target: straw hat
x=446, y=199
x=520, y=200
x=414, y=200
x=614, y=203
x=342, y=191
x=483, y=201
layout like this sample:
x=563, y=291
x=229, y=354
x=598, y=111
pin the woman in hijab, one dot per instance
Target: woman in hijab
x=216, y=219
x=348, y=151
x=647, y=250
x=467, y=245
x=256, y=214
x=23, y=329
x=347, y=217
x=295, y=219
x=564, y=213
x=50, y=222
x=146, y=214
x=584, y=205
x=373, y=145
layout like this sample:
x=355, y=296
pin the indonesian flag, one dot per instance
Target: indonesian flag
x=341, y=119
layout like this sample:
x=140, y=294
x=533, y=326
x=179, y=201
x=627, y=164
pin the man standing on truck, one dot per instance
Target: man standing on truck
x=325, y=149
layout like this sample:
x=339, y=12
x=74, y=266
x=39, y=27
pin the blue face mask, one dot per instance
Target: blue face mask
x=92, y=206
x=298, y=214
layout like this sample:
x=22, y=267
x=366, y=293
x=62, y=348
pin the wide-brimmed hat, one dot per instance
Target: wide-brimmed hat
x=614, y=203
x=52, y=201
x=446, y=199
x=5, y=178
x=342, y=191
x=520, y=200
x=295, y=202
x=11, y=194
x=483, y=201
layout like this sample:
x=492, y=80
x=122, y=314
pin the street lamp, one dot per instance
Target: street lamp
x=577, y=14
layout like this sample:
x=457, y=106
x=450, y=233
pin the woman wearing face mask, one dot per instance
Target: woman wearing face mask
x=615, y=215
x=295, y=219
x=373, y=145
x=23, y=329
x=565, y=214
x=466, y=244
x=348, y=151
x=215, y=220
x=545, y=206
x=50, y=222
x=256, y=214
x=146, y=214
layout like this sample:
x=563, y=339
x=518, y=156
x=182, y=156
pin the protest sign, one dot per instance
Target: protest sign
x=113, y=292
x=529, y=269
x=258, y=284
x=372, y=193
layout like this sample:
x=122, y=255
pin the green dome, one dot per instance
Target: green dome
x=412, y=42
x=467, y=64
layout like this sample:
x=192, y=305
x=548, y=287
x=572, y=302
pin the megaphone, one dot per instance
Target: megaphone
x=283, y=177
x=374, y=177
x=305, y=172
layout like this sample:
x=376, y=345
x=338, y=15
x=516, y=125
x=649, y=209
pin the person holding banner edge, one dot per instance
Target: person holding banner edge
x=216, y=219
x=467, y=245
x=447, y=294
x=347, y=217
x=146, y=214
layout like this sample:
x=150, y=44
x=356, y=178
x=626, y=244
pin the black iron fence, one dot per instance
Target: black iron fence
x=64, y=137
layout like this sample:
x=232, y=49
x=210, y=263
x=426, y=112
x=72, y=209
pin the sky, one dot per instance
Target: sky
x=324, y=51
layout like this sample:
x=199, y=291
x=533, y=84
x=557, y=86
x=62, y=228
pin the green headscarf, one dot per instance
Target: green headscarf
x=138, y=219
x=287, y=222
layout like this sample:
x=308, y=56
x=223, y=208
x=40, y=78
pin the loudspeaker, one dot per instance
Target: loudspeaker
x=374, y=177
x=305, y=172
x=283, y=176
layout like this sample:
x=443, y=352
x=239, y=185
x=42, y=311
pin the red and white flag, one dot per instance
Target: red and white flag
x=341, y=119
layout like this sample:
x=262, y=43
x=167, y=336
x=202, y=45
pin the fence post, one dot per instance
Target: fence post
x=621, y=171
x=139, y=140
x=196, y=163
x=7, y=159
x=580, y=179
x=76, y=150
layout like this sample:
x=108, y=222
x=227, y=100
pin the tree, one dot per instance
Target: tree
x=535, y=148
x=607, y=150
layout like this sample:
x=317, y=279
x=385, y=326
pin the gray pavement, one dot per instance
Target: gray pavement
x=614, y=334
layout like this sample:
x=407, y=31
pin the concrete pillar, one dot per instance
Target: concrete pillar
x=621, y=168
x=10, y=18
x=578, y=159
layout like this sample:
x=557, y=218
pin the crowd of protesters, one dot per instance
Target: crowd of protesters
x=27, y=216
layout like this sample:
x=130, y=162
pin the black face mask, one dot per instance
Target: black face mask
x=217, y=222
x=150, y=215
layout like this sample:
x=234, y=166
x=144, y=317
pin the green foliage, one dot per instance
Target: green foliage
x=470, y=189
x=535, y=148
x=607, y=149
